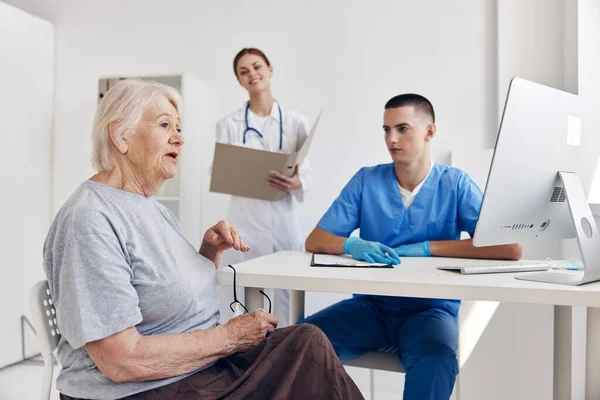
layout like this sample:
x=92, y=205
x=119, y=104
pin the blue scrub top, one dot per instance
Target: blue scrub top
x=447, y=204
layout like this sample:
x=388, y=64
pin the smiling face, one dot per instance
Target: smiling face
x=408, y=132
x=253, y=73
x=153, y=149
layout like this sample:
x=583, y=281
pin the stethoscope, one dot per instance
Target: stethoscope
x=249, y=128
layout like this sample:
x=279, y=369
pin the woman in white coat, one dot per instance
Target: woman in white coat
x=263, y=123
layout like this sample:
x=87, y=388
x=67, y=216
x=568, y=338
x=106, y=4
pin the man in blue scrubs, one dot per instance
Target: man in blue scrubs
x=411, y=207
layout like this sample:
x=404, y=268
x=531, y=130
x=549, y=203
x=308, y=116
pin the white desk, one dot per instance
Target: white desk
x=418, y=277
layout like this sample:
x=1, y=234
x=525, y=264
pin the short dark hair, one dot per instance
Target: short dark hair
x=410, y=99
x=248, y=50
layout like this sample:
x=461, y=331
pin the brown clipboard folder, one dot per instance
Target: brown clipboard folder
x=242, y=171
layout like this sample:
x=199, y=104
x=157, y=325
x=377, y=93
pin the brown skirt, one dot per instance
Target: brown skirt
x=296, y=362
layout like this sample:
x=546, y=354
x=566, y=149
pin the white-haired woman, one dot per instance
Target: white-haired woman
x=137, y=305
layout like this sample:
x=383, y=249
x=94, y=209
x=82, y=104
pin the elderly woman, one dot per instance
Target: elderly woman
x=137, y=304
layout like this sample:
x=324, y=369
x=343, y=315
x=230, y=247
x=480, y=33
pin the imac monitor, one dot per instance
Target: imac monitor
x=543, y=166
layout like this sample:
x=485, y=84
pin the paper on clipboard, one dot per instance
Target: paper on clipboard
x=242, y=171
x=330, y=260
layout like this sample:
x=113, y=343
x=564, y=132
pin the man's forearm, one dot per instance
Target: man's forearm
x=465, y=249
x=321, y=241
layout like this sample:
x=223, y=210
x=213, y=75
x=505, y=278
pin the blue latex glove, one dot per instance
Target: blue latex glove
x=414, y=250
x=371, y=252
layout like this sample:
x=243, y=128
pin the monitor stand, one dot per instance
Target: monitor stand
x=588, y=238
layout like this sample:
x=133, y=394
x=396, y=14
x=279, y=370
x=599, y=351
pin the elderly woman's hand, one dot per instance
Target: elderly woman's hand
x=248, y=330
x=220, y=237
x=223, y=236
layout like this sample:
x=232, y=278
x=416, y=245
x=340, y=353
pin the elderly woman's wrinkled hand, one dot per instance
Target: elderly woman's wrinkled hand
x=223, y=236
x=248, y=330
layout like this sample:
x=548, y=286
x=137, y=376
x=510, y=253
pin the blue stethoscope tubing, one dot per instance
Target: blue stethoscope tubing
x=249, y=128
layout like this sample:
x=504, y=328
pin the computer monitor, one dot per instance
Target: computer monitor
x=543, y=166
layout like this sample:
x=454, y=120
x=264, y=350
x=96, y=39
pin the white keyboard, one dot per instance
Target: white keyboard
x=497, y=267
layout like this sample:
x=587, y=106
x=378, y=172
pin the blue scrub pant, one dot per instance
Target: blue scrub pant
x=426, y=340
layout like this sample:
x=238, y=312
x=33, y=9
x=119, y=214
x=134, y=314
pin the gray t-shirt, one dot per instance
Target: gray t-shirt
x=115, y=260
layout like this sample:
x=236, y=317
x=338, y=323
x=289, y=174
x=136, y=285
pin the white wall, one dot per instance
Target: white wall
x=26, y=79
x=348, y=57
x=530, y=38
x=589, y=50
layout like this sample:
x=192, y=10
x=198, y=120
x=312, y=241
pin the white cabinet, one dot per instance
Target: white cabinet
x=183, y=194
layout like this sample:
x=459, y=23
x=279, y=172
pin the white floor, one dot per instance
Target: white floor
x=24, y=381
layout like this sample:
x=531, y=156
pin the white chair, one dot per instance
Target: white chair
x=46, y=330
x=384, y=359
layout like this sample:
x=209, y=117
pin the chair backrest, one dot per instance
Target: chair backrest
x=44, y=317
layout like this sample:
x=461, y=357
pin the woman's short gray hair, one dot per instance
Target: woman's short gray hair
x=125, y=103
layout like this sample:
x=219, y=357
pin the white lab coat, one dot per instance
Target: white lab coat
x=268, y=226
